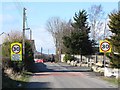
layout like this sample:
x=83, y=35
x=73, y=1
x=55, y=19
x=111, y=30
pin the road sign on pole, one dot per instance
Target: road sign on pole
x=16, y=52
x=105, y=46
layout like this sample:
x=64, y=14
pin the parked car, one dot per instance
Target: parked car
x=39, y=60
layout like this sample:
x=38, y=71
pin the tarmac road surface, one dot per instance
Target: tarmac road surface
x=60, y=75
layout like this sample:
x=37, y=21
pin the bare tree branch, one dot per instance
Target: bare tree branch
x=96, y=15
x=58, y=28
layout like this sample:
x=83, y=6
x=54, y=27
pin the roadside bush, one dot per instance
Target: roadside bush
x=29, y=56
x=56, y=58
x=6, y=61
x=68, y=57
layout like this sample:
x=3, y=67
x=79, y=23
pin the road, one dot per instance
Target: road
x=59, y=75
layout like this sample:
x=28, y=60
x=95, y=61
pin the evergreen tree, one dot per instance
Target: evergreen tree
x=79, y=42
x=80, y=34
x=114, y=26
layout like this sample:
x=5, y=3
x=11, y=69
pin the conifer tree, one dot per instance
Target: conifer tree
x=114, y=25
x=78, y=42
x=81, y=33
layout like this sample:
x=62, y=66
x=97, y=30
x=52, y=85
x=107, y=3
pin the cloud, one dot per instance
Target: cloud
x=43, y=39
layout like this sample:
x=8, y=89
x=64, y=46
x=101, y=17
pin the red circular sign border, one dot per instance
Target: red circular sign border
x=101, y=46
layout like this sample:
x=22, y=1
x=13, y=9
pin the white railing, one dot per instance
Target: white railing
x=112, y=72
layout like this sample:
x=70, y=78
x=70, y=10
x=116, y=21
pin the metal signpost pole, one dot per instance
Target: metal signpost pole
x=104, y=63
x=104, y=47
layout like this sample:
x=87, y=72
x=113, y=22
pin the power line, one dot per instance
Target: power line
x=26, y=22
x=19, y=9
x=19, y=6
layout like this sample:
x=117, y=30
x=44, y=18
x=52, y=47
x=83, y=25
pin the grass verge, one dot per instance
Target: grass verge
x=14, y=81
x=112, y=80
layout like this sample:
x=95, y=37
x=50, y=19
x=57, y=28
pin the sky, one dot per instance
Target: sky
x=37, y=15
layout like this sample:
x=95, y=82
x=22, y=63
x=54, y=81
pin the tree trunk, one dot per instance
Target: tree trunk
x=81, y=57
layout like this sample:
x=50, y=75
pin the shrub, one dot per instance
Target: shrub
x=29, y=56
x=17, y=66
x=68, y=57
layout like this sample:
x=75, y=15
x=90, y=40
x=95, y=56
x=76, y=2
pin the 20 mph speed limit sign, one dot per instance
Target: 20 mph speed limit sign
x=105, y=46
x=16, y=52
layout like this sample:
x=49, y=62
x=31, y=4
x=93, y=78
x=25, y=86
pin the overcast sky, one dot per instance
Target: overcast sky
x=37, y=15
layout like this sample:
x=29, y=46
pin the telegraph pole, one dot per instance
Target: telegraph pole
x=24, y=17
x=48, y=51
x=30, y=34
x=41, y=50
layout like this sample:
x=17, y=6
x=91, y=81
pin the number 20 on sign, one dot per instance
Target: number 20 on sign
x=105, y=46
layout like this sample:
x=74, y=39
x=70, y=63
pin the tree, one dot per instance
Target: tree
x=58, y=28
x=67, y=29
x=54, y=26
x=96, y=15
x=67, y=43
x=114, y=25
x=81, y=34
x=79, y=42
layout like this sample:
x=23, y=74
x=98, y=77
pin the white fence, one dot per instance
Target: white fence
x=112, y=72
x=108, y=72
x=62, y=56
x=88, y=58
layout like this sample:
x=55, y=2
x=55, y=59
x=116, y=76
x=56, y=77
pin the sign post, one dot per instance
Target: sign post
x=16, y=52
x=105, y=47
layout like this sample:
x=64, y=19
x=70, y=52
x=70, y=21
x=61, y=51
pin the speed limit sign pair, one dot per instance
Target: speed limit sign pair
x=105, y=46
